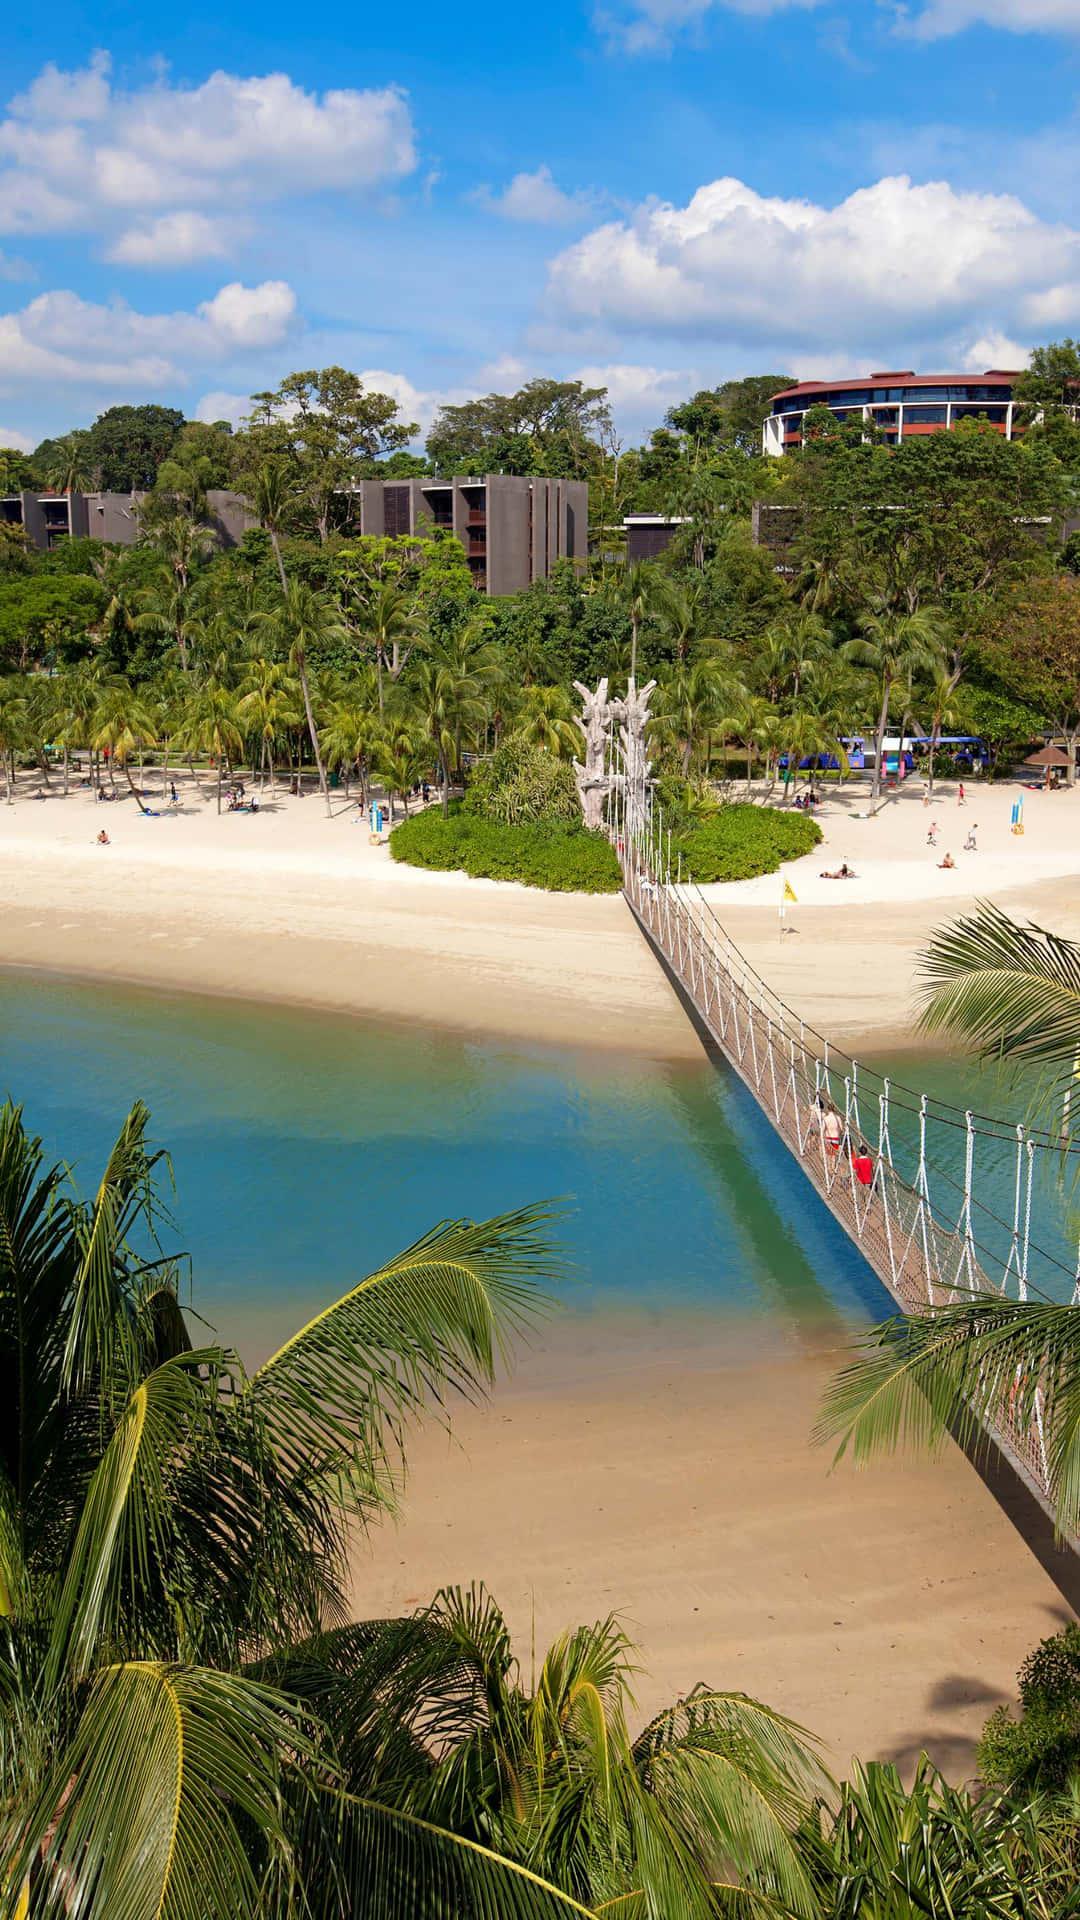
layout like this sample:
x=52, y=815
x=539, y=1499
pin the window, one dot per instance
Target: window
x=885, y=416
x=998, y=414
x=396, y=512
x=924, y=416
x=918, y=394
x=794, y=403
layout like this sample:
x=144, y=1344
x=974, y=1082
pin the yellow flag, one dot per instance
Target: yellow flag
x=790, y=893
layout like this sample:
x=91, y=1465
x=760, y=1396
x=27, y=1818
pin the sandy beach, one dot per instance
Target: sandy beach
x=289, y=905
x=887, y=1609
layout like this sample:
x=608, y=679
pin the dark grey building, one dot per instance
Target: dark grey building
x=648, y=535
x=513, y=527
x=48, y=518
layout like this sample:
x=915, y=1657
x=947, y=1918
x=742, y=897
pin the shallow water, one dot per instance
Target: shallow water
x=307, y=1148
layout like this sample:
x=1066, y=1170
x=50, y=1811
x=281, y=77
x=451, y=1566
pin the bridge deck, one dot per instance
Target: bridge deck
x=920, y=1262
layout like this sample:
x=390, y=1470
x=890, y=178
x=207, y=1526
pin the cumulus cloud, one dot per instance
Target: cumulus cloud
x=75, y=149
x=649, y=25
x=537, y=198
x=893, y=261
x=172, y=240
x=937, y=18
x=60, y=337
x=21, y=442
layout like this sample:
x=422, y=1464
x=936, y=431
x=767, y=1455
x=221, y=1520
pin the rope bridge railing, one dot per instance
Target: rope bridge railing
x=870, y=1147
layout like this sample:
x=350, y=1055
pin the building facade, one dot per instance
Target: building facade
x=513, y=527
x=901, y=405
x=49, y=518
x=648, y=535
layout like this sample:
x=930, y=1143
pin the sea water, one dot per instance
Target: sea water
x=307, y=1148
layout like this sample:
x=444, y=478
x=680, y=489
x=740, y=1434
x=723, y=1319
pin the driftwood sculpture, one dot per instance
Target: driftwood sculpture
x=593, y=779
x=632, y=714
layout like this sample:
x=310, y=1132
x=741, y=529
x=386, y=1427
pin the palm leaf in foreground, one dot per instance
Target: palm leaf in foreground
x=432, y=1322
x=957, y=1368
x=1012, y=991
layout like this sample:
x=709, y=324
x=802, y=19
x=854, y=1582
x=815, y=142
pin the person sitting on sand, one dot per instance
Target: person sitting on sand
x=103, y=839
x=843, y=872
x=948, y=863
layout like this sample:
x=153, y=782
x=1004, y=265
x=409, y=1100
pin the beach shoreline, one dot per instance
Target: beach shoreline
x=292, y=908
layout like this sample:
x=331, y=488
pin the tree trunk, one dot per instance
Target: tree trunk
x=935, y=735
x=112, y=776
x=879, y=746
x=446, y=785
x=66, y=771
x=378, y=670
x=276, y=544
x=314, y=737
x=165, y=772
x=219, y=782
x=136, y=796
x=7, y=775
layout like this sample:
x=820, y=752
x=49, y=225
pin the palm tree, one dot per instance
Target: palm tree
x=894, y=646
x=122, y=725
x=267, y=708
x=399, y=766
x=182, y=543
x=696, y=698
x=209, y=725
x=544, y=717
x=351, y=734
x=175, y=1529
x=1014, y=993
x=309, y=619
x=448, y=699
x=13, y=729
x=391, y=625
x=551, y=1778
x=641, y=593
x=273, y=496
x=69, y=469
x=789, y=649
x=942, y=711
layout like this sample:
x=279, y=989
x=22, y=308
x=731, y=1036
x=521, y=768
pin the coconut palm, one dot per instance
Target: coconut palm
x=173, y=1527
x=351, y=734
x=788, y=650
x=550, y=1776
x=14, y=729
x=273, y=496
x=943, y=710
x=269, y=704
x=642, y=593
x=1013, y=992
x=69, y=469
x=391, y=626
x=544, y=717
x=309, y=620
x=698, y=697
x=894, y=646
x=182, y=543
x=208, y=724
x=122, y=725
x=448, y=699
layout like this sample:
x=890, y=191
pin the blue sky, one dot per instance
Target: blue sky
x=650, y=194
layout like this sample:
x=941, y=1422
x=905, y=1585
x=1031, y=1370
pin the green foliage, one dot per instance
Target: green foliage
x=126, y=445
x=522, y=783
x=1042, y=1747
x=547, y=427
x=740, y=840
x=728, y=416
x=42, y=616
x=559, y=856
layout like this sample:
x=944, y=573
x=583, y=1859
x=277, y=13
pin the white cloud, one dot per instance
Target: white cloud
x=21, y=442
x=61, y=338
x=233, y=407
x=938, y=18
x=74, y=148
x=992, y=350
x=537, y=198
x=172, y=240
x=640, y=396
x=893, y=262
x=649, y=25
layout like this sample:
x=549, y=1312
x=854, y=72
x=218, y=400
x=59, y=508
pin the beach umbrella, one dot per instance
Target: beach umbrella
x=1049, y=757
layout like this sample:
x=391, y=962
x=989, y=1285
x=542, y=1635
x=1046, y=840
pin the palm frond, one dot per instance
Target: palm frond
x=1011, y=991
x=432, y=1322
x=166, y=1801
x=389, y=1864
x=957, y=1368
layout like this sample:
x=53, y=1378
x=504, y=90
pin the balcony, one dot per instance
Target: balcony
x=476, y=517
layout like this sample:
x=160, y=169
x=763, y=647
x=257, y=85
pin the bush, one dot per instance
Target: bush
x=1042, y=1748
x=557, y=855
x=522, y=783
x=740, y=841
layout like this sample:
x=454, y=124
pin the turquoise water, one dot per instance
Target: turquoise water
x=308, y=1148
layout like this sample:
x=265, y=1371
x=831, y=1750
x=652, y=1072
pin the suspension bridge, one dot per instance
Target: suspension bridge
x=940, y=1201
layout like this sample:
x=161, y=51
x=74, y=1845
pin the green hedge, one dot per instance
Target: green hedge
x=740, y=841
x=560, y=856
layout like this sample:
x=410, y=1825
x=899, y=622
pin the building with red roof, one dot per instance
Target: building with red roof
x=902, y=405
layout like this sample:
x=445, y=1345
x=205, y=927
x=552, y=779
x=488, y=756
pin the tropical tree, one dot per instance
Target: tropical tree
x=642, y=592
x=894, y=647
x=448, y=700
x=392, y=628
x=13, y=729
x=1014, y=993
x=943, y=712
x=69, y=469
x=122, y=725
x=272, y=499
x=174, y=1528
x=309, y=619
x=209, y=724
x=267, y=708
x=544, y=717
x=182, y=543
x=698, y=697
x=351, y=733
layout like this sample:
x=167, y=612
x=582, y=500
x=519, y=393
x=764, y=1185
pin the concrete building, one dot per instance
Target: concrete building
x=902, y=405
x=48, y=518
x=648, y=535
x=513, y=527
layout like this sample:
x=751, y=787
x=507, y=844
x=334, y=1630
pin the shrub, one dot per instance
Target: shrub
x=557, y=855
x=522, y=782
x=1043, y=1747
x=740, y=841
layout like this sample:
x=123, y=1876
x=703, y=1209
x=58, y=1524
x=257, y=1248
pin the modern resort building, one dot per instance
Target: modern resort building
x=901, y=405
x=513, y=527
